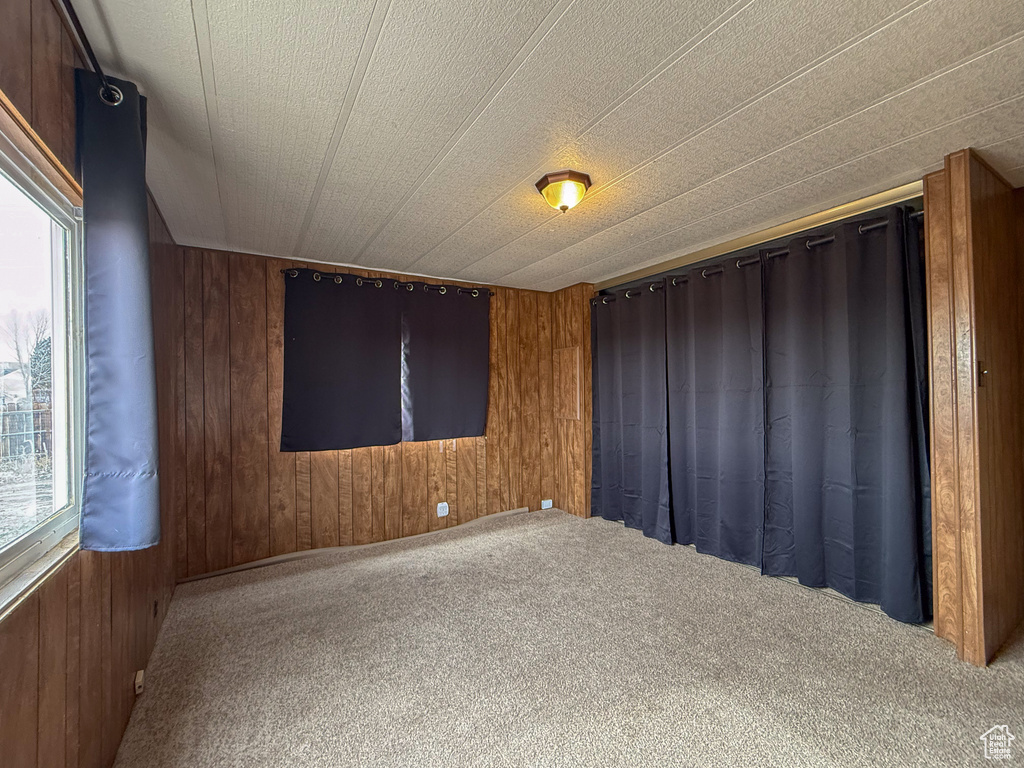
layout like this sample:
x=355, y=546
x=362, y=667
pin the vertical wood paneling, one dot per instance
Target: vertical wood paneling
x=47, y=58
x=942, y=383
x=545, y=395
x=250, y=520
x=16, y=50
x=414, y=489
x=345, y=496
x=19, y=685
x=512, y=442
x=451, y=480
x=303, y=502
x=73, y=645
x=369, y=494
x=281, y=465
x=465, y=468
x=392, y=467
x=977, y=390
x=481, y=476
x=437, y=486
x=378, y=527
x=217, y=410
x=195, y=427
x=53, y=672
x=362, y=504
x=324, y=498
x=92, y=678
x=529, y=422
x=66, y=153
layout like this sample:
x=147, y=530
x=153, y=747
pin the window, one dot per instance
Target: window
x=40, y=458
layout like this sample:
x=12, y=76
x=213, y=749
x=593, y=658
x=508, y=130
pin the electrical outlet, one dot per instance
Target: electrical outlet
x=140, y=681
x=442, y=509
x=546, y=504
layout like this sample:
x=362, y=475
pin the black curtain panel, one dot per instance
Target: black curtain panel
x=843, y=502
x=445, y=359
x=716, y=408
x=121, y=500
x=342, y=362
x=630, y=449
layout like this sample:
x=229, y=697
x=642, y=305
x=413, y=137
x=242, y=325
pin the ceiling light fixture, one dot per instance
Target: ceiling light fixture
x=563, y=189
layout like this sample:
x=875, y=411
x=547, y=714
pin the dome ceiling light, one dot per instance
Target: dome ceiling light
x=564, y=189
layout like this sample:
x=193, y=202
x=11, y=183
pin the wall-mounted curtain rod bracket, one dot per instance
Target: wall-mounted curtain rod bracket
x=864, y=228
x=110, y=94
x=815, y=242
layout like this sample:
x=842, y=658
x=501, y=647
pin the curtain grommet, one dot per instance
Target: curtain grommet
x=111, y=95
x=337, y=279
x=378, y=283
x=316, y=277
x=704, y=274
x=443, y=290
x=359, y=281
x=292, y=272
x=604, y=300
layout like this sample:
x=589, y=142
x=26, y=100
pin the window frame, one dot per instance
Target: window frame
x=20, y=555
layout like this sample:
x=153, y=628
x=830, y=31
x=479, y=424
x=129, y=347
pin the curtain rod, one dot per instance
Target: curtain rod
x=839, y=212
x=338, y=277
x=109, y=93
x=717, y=269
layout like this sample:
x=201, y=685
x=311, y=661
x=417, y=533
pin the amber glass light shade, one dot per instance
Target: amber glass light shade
x=563, y=190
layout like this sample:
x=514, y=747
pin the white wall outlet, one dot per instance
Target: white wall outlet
x=442, y=509
x=546, y=504
x=140, y=681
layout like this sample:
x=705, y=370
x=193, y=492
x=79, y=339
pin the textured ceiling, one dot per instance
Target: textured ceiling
x=406, y=134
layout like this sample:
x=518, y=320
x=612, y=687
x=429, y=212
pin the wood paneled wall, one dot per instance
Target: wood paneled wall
x=246, y=500
x=974, y=252
x=37, y=72
x=70, y=650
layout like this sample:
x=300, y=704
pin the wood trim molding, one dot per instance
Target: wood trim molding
x=976, y=382
x=16, y=128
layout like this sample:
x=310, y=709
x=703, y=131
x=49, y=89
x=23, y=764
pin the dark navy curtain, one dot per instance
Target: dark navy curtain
x=121, y=500
x=843, y=500
x=796, y=390
x=445, y=360
x=630, y=473
x=716, y=408
x=342, y=362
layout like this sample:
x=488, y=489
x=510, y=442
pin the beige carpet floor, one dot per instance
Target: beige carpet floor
x=545, y=640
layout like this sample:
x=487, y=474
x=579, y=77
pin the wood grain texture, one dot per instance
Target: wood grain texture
x=465, y=472
x=16, y=53
x=947, y=611
x=47, y=59
x=324, y=498
x=19, y=685
x=195, y=425
x=281, y=465
x=414, y=489
x=274, y=502
x=529, y=422
x=250, y=520
x=977, y=410
x=217, y=409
